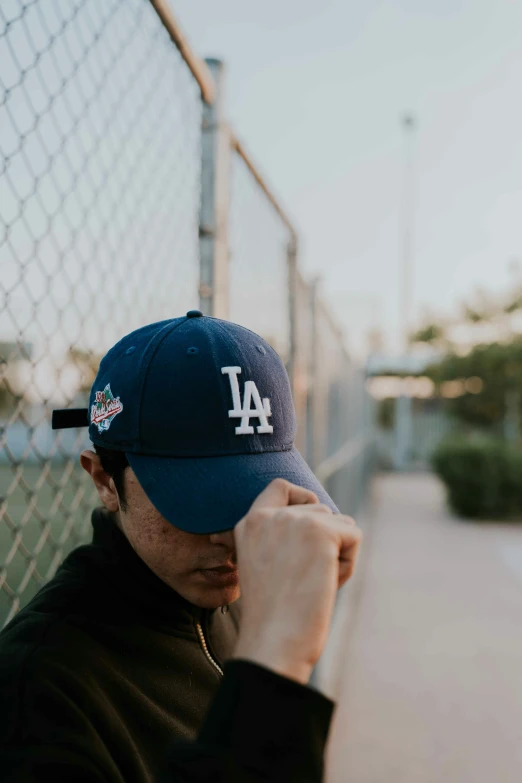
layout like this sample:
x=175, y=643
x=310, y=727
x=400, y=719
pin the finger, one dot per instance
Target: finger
x=347, y=566
x=323, y=507
x=282, y=493
x=309, y=509
x=347, y=533
x=340, y=523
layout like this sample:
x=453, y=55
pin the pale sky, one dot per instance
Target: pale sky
x=316, y=90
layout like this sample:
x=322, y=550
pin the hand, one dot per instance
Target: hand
x=293, y=554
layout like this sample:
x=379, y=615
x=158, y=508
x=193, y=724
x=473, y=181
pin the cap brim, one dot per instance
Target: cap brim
x=210, y=494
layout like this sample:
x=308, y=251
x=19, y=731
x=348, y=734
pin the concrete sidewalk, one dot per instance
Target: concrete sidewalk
x=426, y=654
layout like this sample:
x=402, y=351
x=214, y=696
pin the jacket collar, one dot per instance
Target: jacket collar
x=142, y=595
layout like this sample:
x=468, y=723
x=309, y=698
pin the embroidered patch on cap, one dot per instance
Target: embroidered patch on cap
x=105, y=408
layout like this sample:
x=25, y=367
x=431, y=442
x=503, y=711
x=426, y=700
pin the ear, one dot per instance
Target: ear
x=90, y=462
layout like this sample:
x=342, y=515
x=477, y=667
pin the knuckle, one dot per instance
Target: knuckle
x=256, y=516
x=284, y=515
x=313, y=525
x=279, y=483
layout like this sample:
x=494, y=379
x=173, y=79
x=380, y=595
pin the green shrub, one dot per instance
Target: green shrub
x=483, y=476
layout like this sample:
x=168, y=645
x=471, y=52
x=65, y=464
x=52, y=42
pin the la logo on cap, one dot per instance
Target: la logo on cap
x=251, y=394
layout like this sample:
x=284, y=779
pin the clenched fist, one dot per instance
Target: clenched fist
x=293, y=555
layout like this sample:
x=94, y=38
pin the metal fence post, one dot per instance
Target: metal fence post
x=292, y=309
x=311, y=419
x=213, y=213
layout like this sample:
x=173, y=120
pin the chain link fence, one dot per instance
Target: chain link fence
x=100, y=233
x=99, y=133
x=258, y=261
x=339, y=429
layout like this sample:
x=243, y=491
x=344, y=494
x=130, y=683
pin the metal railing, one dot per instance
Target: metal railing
x=126, y=198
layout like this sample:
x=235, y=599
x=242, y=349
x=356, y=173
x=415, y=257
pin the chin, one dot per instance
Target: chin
x=213, y=599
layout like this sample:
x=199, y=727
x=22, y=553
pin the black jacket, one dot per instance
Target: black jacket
x=107, y=667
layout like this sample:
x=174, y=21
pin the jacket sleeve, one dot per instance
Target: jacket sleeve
x=260, y=727
x=37, y=764
x=46, y=736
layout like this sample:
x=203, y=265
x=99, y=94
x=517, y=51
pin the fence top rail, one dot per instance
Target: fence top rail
x=238, y=147
x=352, y=449
x=203, y=76
x=197, y=66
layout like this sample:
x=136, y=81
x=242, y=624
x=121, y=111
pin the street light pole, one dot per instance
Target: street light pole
x=403, y=412
x=409, y=126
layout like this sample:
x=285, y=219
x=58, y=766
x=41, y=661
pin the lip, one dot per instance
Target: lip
x=222, y=576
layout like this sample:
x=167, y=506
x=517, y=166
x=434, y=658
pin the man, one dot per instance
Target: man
x=122, y=654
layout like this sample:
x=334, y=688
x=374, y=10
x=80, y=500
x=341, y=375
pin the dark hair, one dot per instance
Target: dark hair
x=114, y=463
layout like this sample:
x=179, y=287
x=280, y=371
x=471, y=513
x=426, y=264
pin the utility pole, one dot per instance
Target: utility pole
x=403, y=413
x=409, y=127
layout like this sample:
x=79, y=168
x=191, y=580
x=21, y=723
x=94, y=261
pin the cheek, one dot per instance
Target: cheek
x=162, y=546
x=160, y=537
x=174, y=550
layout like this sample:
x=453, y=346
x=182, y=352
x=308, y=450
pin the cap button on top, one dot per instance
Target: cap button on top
x=194, y=314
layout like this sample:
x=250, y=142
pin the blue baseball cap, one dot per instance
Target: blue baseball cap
x=203, y=410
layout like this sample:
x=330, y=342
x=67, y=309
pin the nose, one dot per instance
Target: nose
x=224, y=538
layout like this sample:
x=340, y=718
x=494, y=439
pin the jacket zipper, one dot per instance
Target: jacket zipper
x=205, y=648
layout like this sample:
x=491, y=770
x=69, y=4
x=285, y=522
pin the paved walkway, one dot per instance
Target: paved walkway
x=425, y=659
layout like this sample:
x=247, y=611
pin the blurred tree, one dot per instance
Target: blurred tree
x=12, y=389
x=484, y=308
x=386, y=413
x=87, y=363
x=5, y=395
x=430, y=333
x=498, y=365
x=473, y=315
x=514, y=304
